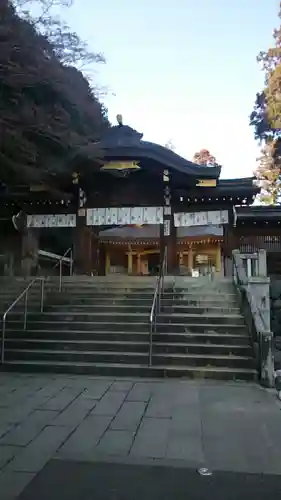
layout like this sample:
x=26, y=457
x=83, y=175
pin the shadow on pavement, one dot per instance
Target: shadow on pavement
x=62, y=480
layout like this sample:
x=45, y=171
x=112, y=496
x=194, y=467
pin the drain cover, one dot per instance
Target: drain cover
x=204, y=472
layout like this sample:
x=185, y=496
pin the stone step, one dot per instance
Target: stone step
x=112, y=308
x=129, y=357
x=125, y=346
x=132, y=335
x=135, y=300
x=202, y=318
x=133, y=370
x=205, y=328
x=122, y=306
x=120, y=326
x=131, y=317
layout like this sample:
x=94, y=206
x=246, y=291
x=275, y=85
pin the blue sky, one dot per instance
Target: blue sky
x=183, y=70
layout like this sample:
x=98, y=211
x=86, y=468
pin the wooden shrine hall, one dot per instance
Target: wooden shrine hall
x=121, y=212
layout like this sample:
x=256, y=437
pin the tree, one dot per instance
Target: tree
x=48, y=110
x=268, y=174
x=67, y=45
x=204, y=157
x=266, y=121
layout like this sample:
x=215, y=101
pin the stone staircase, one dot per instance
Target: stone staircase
x=201, y=332
x=101, y=326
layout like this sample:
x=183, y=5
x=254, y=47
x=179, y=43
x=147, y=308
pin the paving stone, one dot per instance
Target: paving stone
x=186, y=394
x=225, y=423
x=130, y=415
x=5, y=393
x=50, y=390
x=151, y=439
x=160, y=407
x=7, y=453
x=22, y=434
x=42, y=416
x=4, y=428
x=186, y=422
x=26, y=431
x=61, y=400
x=37, y=453
x=109, y=404
x=116, y=442
x=141, y=391
x=96, y=389
x=185, y=447
x=38, y=399
x=15, y=414
x=75, y=412
x=226, y=454
x=85, y=437
x=13, y=483
x=121, y=385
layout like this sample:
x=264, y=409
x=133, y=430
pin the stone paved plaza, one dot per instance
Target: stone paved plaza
x=222, y=426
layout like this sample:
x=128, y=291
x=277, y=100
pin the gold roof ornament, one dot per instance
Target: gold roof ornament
x=206, y=182
x=121, y=166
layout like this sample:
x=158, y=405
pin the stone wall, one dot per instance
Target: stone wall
x=275, y=303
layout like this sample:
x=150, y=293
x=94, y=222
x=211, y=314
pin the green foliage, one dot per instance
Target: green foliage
x=266, y=121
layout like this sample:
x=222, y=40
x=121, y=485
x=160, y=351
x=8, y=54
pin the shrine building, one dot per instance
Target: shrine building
x=120, y=213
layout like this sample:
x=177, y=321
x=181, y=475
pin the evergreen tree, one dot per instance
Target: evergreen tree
x=266, y=120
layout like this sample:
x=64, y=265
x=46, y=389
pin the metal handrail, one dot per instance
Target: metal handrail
x=60, y=262
x=22, y=294
x=156, y=303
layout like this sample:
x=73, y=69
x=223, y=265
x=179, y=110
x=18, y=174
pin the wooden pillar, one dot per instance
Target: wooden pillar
x=190, y=259
x=138, y=264
x=107, y=262
x=86, y=239
x=130, y=262
x=218, y=258
x=231, y=242
x=85, y=249
x=168, y=241
x=168, y=231
x=181, y=258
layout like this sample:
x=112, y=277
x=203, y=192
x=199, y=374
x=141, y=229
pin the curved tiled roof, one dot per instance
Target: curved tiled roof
x=126, y=143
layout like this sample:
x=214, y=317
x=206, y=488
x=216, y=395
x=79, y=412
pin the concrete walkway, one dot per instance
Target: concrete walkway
x=222, y=426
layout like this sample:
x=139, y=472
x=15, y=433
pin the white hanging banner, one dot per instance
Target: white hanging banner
x=51, y=220
x=124, y=216
x=213, y=218
x=112, y=216
x=136, y=215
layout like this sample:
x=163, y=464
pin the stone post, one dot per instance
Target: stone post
x=258, y=289
x=30, y=247
x=262, y=263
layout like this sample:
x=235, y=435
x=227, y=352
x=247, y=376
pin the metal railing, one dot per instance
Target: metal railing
x=156, y=304
x=22, y=295
x=61, y=261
